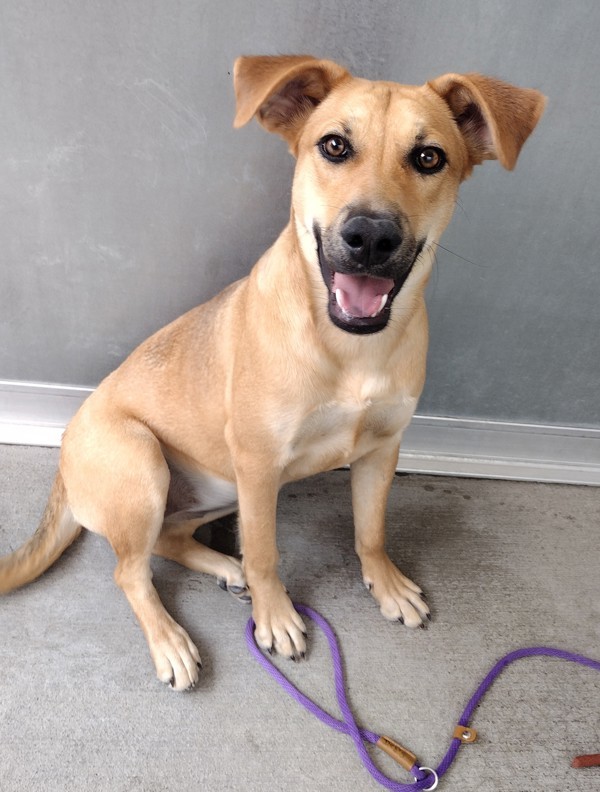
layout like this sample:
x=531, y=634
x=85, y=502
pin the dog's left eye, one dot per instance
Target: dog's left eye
x=428, y=159
x=335, y=148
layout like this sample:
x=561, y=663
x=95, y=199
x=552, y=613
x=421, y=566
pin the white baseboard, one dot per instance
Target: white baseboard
x=37, y=413
x=501, y=450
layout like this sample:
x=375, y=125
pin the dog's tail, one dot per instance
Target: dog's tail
x=57, y=530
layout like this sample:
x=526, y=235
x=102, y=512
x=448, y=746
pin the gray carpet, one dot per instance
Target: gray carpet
x=505, y=565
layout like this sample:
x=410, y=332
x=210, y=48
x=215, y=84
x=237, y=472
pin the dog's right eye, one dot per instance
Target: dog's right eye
x=335, y=148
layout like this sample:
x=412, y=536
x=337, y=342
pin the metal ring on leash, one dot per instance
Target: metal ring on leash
x=435, y=777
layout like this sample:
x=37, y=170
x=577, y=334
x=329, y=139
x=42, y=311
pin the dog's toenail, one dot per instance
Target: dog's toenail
x=401, y=619
x=222, y=583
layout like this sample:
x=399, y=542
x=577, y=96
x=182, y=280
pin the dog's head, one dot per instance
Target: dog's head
x=379, y=166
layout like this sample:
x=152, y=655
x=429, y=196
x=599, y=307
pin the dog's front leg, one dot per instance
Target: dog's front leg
x=398, y=597
x=278, y=625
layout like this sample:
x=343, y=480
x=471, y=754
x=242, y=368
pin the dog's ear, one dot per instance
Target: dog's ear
x=494, y=117
x=282, y=90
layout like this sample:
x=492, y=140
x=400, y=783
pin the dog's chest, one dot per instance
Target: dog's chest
x=342, y=430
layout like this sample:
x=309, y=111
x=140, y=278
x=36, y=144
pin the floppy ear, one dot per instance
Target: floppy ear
x=282, y=90
x=494, y=117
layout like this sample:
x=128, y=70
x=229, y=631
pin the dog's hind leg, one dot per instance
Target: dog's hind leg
x=175, y=656
x=176, y=542
x=119, y=490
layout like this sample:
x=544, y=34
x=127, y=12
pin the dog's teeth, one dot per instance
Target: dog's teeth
x=381, y=307
x=338, y=297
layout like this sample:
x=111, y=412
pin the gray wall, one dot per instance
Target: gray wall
x=126, y=197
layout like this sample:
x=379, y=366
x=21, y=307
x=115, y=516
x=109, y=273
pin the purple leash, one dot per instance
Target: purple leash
x=425, y=777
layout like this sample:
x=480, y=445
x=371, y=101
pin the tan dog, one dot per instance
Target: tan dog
x=314, y=361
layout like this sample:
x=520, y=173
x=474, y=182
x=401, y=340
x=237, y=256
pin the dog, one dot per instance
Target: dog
x=313, y=361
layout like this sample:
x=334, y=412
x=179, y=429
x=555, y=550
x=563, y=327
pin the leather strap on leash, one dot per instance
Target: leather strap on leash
x=589, y=760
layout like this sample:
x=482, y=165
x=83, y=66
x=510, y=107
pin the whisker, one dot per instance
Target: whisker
x=475, y=264
x=462, y=208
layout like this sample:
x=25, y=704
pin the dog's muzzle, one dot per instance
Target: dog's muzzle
x=364, y=266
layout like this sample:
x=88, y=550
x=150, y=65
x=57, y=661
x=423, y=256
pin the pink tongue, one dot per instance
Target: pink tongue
x=360, y=295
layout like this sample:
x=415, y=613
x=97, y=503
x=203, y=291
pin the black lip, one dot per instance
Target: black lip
x=360, y=325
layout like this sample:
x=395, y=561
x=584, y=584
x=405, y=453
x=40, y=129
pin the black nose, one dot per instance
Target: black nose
x=370, y=240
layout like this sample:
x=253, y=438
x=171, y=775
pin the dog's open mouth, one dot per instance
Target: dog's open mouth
x=358, y=302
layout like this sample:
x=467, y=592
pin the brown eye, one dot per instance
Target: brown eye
x=335, y=148
x=428, y=159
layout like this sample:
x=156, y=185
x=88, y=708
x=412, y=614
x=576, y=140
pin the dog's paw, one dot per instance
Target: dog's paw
x=231, y=578
x=175, y=656
x=279, y=626
x=241, y=593
x=399, y=598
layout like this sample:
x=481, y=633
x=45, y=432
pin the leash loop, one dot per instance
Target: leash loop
x=463, y=733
